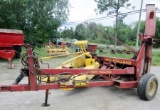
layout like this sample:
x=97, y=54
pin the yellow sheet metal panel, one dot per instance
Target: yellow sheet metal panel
x=45, y=79
x=55, y=78
x=80, y=62
x=89, y=61
x=73, y=59
x=93, y=66
x=80, y=84
x=83, y=42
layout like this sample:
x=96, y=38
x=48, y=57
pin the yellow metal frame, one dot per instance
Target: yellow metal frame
x=82, y=59
x=81, y=45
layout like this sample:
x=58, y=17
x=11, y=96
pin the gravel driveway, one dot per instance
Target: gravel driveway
x=98, y=98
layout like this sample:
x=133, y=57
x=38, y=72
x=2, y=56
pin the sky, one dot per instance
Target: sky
x=82, y=10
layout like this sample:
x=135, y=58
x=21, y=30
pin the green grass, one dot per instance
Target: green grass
x=42, y=53
x=116, y=55
x=156, y=57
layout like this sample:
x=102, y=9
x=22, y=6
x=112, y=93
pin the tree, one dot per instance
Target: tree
x=113, y=7
x=68, y=33
x=38, y=19
x=133, y=34
x=134, y=27
x=157, y=35
x=80, y=32
x=124, y=32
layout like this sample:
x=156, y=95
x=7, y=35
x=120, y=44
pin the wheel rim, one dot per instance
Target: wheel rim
x=152, y=88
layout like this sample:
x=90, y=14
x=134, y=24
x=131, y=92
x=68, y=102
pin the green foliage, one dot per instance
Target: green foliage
x=142, y=30
x=80, y=33
x=111, y=5
x=126, y=33
x=38, y=19
x=157, y=35
x=68, y=33
x=155, y=58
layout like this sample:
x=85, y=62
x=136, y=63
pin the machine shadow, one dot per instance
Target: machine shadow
x=76, y=91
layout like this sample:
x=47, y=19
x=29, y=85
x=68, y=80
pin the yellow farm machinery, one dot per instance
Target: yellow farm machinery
x=83, y=60
x=57, y=50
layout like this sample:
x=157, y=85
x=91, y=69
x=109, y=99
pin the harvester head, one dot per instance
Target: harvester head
x=54, y=50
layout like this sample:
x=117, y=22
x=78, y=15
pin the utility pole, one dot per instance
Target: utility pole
x=116, y=29
x=139, y=23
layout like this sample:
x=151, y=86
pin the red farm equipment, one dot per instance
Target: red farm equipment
x=10, y=44
x=87, y=69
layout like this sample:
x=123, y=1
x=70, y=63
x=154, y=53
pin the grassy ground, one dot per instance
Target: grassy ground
x=42, y=53
x=116, y=55
x=155, y=59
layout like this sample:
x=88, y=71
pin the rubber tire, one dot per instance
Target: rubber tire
x=18, y=52
x=144, y=85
